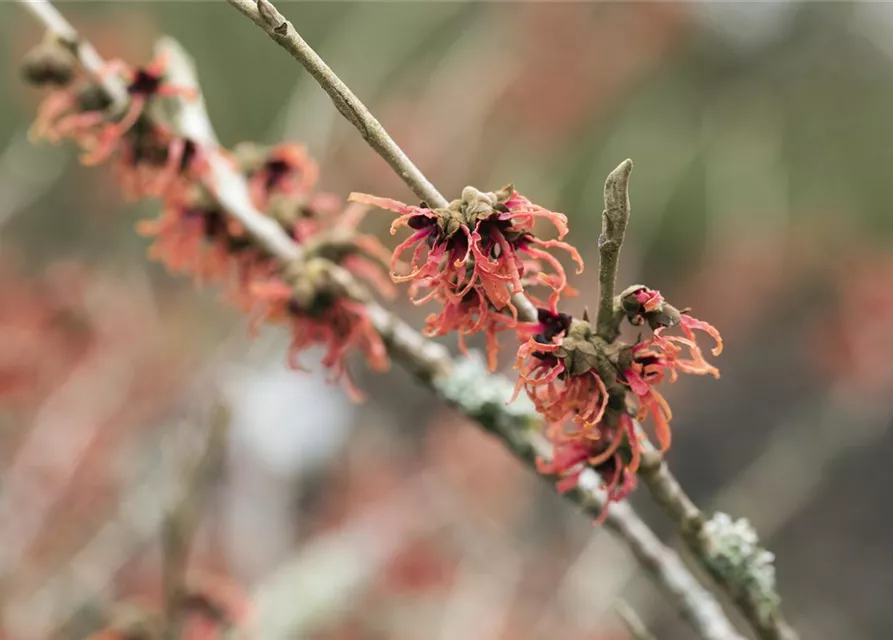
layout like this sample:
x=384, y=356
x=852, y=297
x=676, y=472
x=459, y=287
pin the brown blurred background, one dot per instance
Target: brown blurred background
x=762, y=197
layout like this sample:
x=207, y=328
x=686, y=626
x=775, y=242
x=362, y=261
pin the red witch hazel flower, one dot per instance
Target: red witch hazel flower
x=151, y=156
x=474, y=255
x=74, y=112
x=590, y=391
x=143, y=84
x=661, y=356
x=571, y=456
x=321, y=307
x=194, y=236
x=153, y=161
x=569, y=374
x=561, y=367
x=285, y=169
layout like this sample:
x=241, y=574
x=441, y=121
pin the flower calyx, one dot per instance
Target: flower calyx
x=316, y=283
x=50, y=63
x=643, y=305
x=472, y=207
x=581, y=349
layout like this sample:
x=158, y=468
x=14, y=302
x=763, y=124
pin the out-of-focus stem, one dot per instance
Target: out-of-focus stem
x=178, y=528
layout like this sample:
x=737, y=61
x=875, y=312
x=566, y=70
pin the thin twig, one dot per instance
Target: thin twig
x=636, y=626
x=515, y=427
x=485, y=400
x=311, y=589
x=178, y=529
x=614, y=220
x=89, y=572
x=268, y=18
x=760, y=608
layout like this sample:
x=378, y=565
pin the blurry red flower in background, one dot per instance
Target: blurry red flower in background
x=325, y=318
x=285, y=169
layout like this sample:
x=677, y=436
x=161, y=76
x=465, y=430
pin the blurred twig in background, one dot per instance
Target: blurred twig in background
x=634, y=623
x=310, y=589
x=25, y=174
x=182, y=520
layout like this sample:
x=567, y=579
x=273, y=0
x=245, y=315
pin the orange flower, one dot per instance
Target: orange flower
x=559, y=370
x=663, y=356
x=335, y=322
x=143, y=84
x=287, y=169
x=571, y=456
x=201, y=241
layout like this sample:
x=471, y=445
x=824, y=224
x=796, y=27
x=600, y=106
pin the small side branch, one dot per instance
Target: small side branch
x=634, y=624
x=268, y=18
x=614, y=220
x=178, y=528
x=756, y=598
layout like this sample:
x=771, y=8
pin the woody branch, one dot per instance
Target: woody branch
x=431, y=364
x=754, y=598
x=426, y=360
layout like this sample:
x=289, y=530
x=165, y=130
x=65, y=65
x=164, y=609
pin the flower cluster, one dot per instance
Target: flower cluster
x=195, y=236
x=592, y=392
x=321, y=306
x=471, y=258
x=473, y=255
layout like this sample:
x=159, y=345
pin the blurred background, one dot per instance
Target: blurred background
x=762, y=197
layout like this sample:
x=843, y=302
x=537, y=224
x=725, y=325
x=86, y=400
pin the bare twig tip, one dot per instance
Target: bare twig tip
x=620, y=175
x=271, y=16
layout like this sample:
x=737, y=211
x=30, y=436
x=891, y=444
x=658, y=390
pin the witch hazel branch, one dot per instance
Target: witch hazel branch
x=481, y=261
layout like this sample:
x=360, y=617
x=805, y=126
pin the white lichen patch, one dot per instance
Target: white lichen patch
x=479, y=393
x=736, y=553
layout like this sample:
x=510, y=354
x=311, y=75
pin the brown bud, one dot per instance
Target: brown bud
x=666, y=316
x=578, y=349
x=250, y=157
x=503, y=194
x=317, y=282
x=49, y=63
x=287, y=209
x=92, y=97
x=631, y=306
x=449, y=222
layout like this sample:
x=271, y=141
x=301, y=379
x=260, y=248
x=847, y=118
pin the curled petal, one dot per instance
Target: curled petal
x=383, y=203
